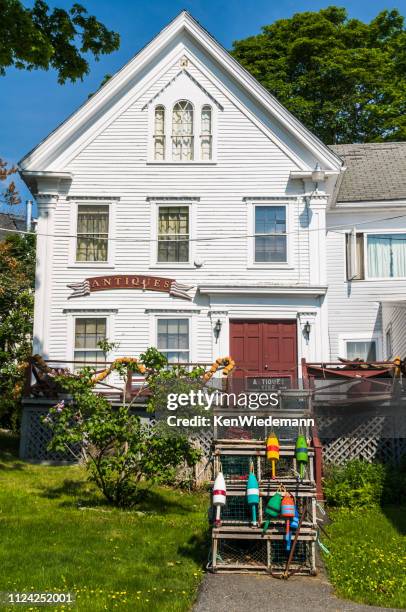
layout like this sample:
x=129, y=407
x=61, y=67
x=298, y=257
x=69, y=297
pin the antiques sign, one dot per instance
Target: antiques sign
x=261, y=383
x=130, y=281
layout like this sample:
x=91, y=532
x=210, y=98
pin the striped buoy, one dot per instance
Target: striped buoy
x=287, y=512
x=219, y=496
x=272, y=452
x=253, y=495
x=301, y=454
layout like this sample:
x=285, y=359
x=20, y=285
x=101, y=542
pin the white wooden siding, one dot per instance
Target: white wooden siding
x=250, y=163
x=394, y=317
x=354, y=307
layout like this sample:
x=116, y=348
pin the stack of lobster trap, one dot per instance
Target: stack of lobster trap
x=254, y=537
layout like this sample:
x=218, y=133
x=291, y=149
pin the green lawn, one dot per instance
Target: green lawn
x=368, y=555
x=57, y=534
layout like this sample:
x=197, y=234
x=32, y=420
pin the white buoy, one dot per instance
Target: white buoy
x=219, y=496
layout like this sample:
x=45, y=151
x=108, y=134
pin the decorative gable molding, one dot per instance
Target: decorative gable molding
x=195, y=81
x=101, y=107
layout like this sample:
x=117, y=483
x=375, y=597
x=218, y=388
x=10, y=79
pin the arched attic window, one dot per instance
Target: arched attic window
x=159, y=132
x=182, y=131
x=206, y=134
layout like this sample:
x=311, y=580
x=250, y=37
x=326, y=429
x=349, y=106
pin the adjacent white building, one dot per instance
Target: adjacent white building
x=183, y=207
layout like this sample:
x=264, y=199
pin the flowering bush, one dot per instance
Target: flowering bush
x=117, y=449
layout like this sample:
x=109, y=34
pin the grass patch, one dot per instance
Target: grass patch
x=58, y=534
x=367, y=563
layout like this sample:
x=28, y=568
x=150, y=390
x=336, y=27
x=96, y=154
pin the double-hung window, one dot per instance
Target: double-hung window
x=92, y=233
x=361, y=349
x=270, y=234
x=173, y=234
x=173, y=339
x=89, y=332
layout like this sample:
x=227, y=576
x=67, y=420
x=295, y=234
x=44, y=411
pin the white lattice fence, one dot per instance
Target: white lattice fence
x=378, y=438
x=366, y=440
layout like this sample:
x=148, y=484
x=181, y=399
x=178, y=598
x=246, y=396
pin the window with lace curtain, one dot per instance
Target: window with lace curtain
x=92, y=232
x=182, y=131
x=159, y=133
x=173, y=234
x=206, y=136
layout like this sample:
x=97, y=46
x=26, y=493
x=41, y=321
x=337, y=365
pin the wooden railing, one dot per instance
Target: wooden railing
x=40, y=378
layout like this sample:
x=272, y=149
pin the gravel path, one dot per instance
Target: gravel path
x=252, y=593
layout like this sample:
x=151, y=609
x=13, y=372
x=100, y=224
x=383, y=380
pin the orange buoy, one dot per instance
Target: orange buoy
x=287, y=512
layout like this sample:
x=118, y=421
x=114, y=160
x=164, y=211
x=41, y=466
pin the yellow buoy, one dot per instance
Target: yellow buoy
x=272, y=452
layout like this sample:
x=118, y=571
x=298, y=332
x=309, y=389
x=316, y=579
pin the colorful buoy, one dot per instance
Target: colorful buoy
x=272, y=509
x=253, y=496
x=287, y=512
x=301, y=454
x=272, y=452
x=219, y=496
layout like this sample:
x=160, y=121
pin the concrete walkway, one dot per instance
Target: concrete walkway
x=253, y=593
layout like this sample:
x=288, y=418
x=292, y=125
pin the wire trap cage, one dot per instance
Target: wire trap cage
x=236, y=468
x=237, y=511
x=239, y=554
x=303, y=560
x=257, y=554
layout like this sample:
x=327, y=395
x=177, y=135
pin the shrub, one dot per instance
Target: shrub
x=355, y=484
x=117, y=449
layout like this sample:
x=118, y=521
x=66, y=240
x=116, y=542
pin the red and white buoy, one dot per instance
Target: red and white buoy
x=219, y=496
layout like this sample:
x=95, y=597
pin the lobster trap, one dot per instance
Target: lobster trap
x=238, y=541
x=236, y=459
x=253, y=552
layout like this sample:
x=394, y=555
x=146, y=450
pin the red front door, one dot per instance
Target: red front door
x=264, y=348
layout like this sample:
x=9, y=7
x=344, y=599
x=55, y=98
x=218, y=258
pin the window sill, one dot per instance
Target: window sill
x=377, y=280
x=173, y=266
x=197, y=162
x=270, y=266
x=89, y=264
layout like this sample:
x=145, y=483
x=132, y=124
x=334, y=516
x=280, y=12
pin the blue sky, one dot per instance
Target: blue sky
x=33, y=104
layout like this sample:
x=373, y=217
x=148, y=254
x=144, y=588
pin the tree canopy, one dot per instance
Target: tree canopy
x=38, y=37
x=343, y=78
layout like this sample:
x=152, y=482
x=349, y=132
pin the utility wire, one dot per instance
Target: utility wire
x=334, y=229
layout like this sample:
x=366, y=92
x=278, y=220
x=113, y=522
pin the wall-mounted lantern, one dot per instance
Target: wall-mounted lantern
x=306, y=329
x=217, y=328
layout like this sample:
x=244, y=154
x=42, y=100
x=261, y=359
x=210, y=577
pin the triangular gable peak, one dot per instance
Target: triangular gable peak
x=135, y=78
x=182, y=73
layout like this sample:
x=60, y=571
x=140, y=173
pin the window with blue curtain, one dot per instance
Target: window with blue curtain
x=386, y=255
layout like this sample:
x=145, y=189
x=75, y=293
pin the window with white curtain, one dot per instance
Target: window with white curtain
x=173, y=339
x=182, y=131
x=173, y=234
x=270, y=234
x=206, y=135
x=159, y=133
x=89, y=332
x=92, y=232
x=386, y=255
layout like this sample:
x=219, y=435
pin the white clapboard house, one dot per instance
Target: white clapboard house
x=182, y=206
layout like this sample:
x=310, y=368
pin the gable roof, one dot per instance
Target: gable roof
x=10, y=222
x=42, y=155
x=375, y=171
